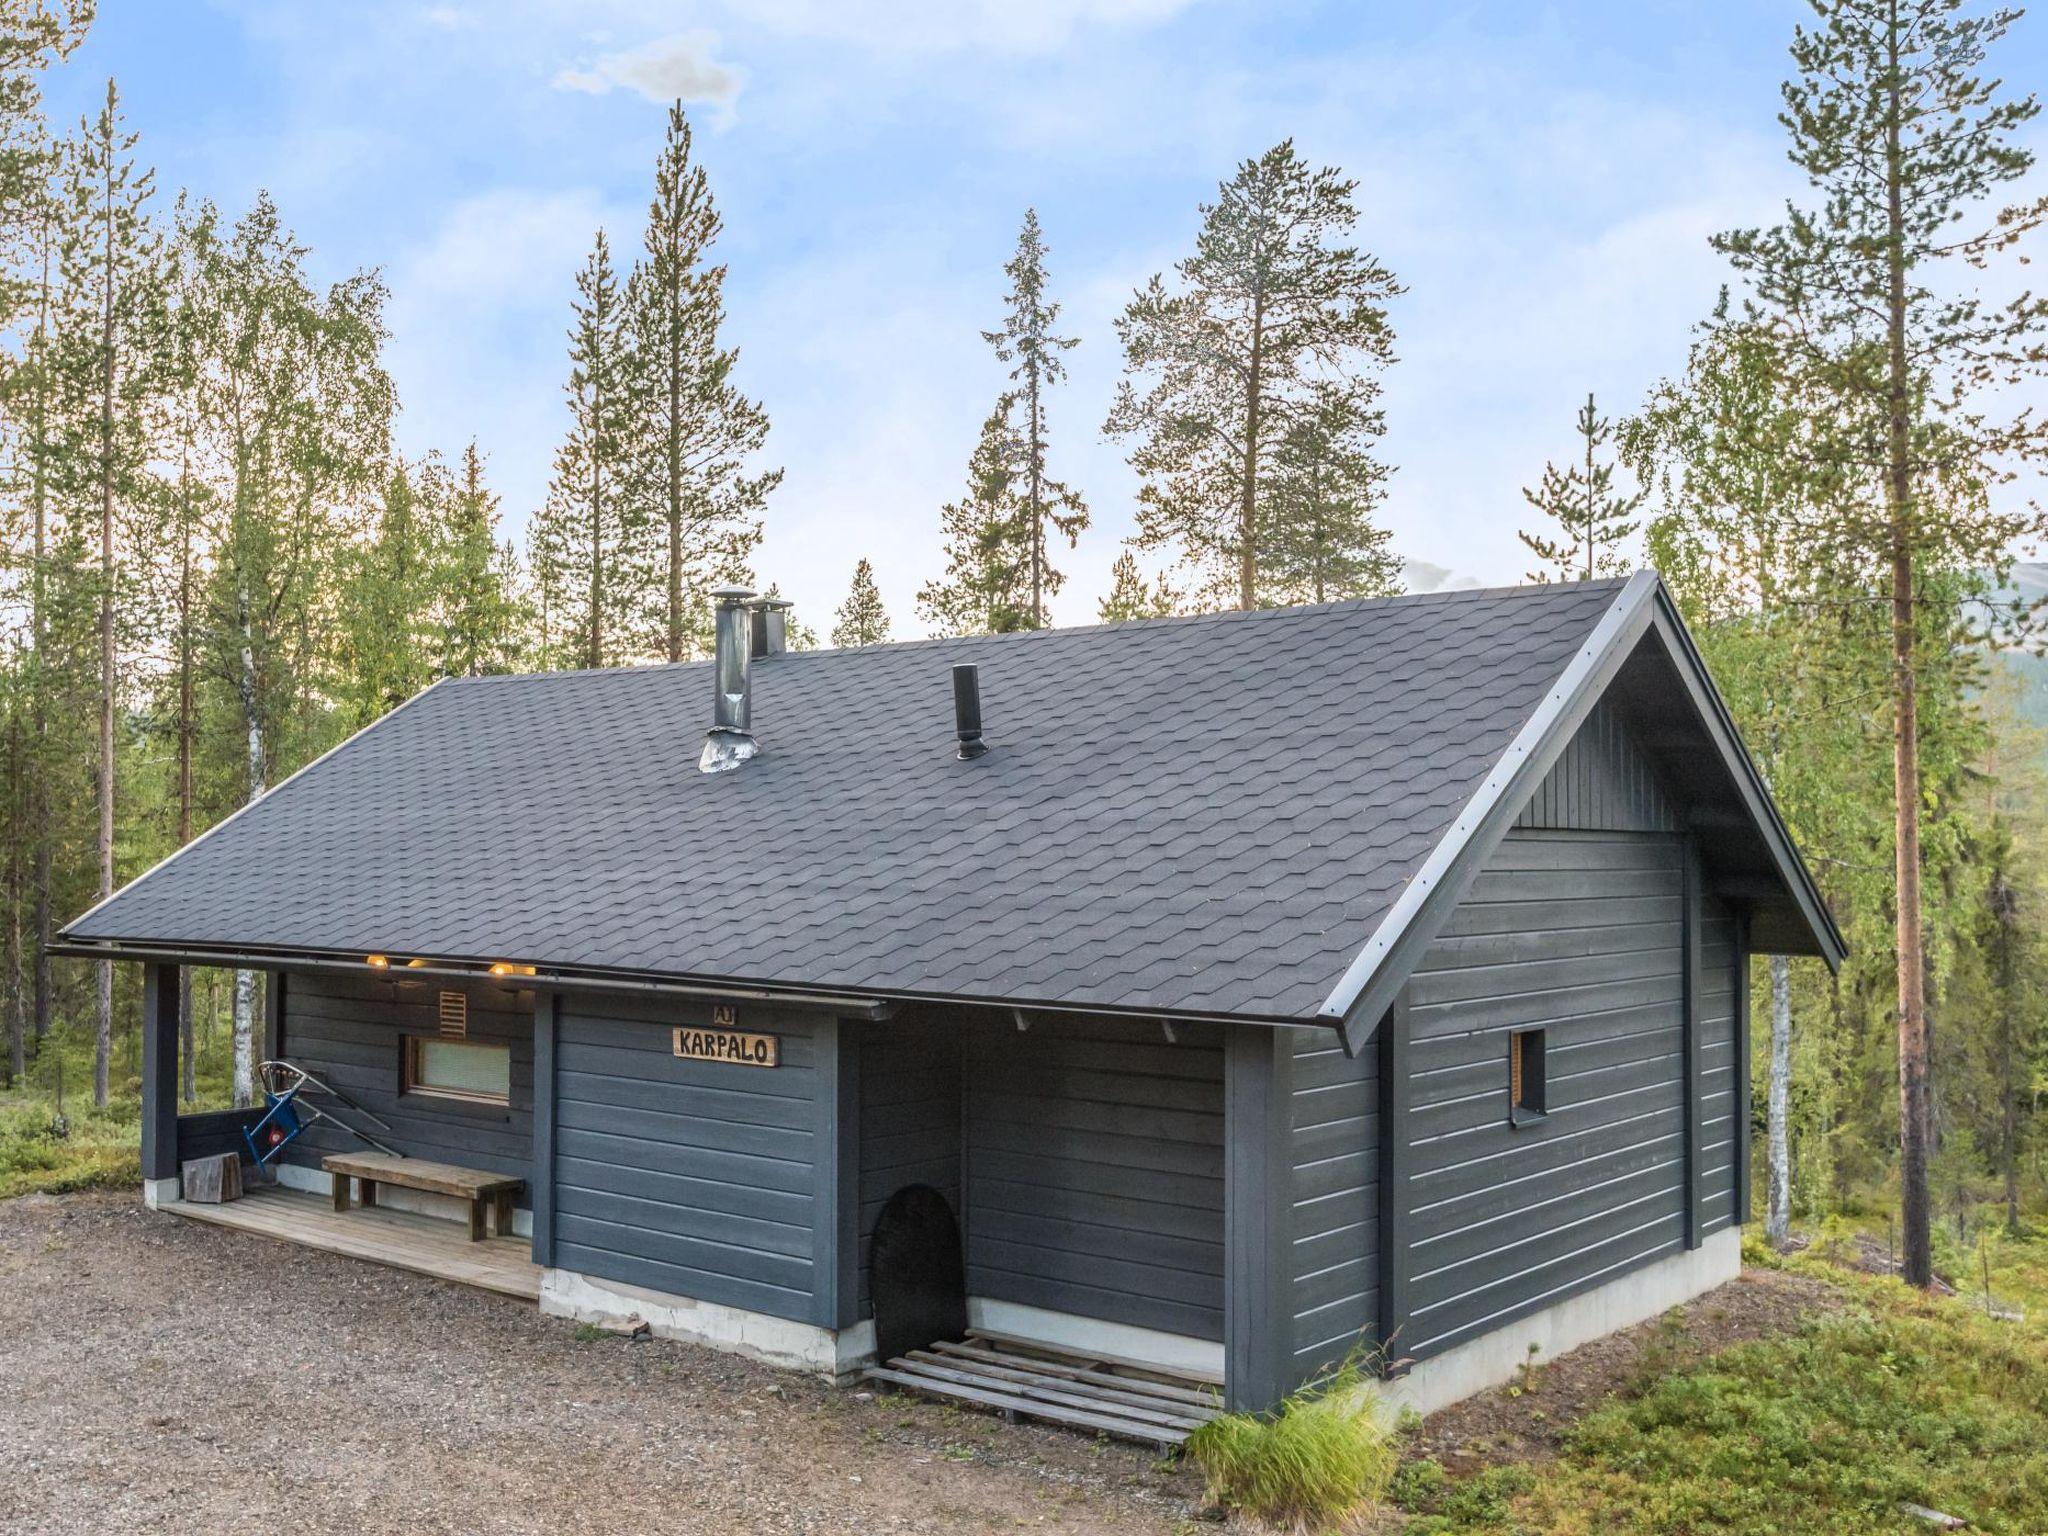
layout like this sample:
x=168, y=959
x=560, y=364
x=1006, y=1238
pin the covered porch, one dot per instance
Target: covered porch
x=426, y=1245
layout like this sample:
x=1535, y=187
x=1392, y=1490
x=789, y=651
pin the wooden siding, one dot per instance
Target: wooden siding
x=1580, y=933
x=347, y=1029
x=1602, y=783
x=909, y=1116
x=697, y=1178
x=1095, y=1170
x=1334, y=1140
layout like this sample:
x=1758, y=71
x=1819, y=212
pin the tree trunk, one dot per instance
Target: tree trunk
x=674, y=437
x=186, y=730
x=245, y=981
x=1036, y=495
x=1916, y=1119
x=103, y=991
x=39, y=491
x=1778, y=1220
x=1248, y=495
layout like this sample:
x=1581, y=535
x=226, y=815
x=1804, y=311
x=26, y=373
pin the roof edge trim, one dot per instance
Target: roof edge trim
x=1361, y=994
x=304, y=768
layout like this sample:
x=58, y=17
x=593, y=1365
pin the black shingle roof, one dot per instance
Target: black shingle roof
x=1206, y=815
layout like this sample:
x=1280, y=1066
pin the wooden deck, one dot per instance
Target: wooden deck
x=1021, y=1379
x=399, y=1239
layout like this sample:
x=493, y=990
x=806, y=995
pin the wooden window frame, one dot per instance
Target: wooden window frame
x=409, y=1084
x=1528, y=1097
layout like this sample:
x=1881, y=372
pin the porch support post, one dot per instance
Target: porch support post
x=159, y=1080
x=835, y=1222
x=1258, y=1208
x=540, y=1192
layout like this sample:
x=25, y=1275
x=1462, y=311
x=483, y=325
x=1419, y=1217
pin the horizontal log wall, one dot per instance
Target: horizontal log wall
x=1095, y=1170
x=1333, y=1280
x=909, y=1116
x=348, y=1030
x=697, y=1178
x=1582, y=934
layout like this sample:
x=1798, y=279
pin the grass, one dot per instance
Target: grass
x=1319, y=1457
x=1900, y=1398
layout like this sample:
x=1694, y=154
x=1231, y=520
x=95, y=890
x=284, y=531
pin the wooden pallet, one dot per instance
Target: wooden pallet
x=1022, y=1379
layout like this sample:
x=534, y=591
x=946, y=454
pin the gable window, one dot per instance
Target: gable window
x=477, y=1071
x=1525, y=1076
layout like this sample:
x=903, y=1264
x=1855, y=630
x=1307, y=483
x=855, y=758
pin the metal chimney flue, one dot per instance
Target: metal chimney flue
x=730, y=741
x=967, y=710
x=769, y=625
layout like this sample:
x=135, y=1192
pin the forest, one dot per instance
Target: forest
x=214, y=565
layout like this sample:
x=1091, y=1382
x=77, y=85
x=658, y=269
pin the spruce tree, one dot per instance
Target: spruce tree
x=1591, y=517
x=387, y=599
x=1868, y=289
x=1318, y=541
x=1130, y=598
x=481, y=616
x=987, y=586
x=1029, y=340
x=589, y=553
x=693, y=432
x=861, y=619
x=1273, y=314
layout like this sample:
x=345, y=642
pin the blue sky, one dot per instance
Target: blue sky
x=1543, y=179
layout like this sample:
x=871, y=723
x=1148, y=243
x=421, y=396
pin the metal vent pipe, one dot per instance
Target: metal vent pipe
x=730, y=741
x=967, y=710
x=770, y=625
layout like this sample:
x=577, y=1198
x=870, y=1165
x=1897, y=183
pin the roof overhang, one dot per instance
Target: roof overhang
x=1643, y=614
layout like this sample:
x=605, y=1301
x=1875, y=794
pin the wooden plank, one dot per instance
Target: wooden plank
x=1071, y=1394
x=399, y=1240
x=1194, y=1397
x=1127, y=1429
x=1012, y=1343
x=418, y=1173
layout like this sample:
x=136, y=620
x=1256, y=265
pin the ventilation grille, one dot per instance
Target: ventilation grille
x=454, y=1015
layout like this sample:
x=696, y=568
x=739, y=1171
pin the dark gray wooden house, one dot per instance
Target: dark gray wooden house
x=1272, y=981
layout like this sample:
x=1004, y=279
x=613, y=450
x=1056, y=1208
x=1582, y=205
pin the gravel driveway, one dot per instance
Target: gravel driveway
x=161, y=1375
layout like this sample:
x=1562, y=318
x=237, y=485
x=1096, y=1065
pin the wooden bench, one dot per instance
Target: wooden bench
x=369, y=1169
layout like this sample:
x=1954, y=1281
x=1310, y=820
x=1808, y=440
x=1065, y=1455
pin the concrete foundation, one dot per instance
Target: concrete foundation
x=1634, y=1297
x=773, y=1340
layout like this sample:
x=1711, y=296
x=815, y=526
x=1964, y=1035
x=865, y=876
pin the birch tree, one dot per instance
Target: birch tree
x=1873, y=289
x=1273, y=312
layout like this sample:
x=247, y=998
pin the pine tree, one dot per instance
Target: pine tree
x=987, y=587
x=588, y=550
x=1130, y=598
x=1029, y=340
x=694, y=431
x=861, y=619
x=1318, y=542
x=1592, y=518
x=108, y=256
x=1868, y=293
x=1269, y=305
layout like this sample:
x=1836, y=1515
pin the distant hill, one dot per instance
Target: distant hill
x=2029, y=584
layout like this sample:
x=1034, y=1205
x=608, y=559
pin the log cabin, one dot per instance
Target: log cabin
x=1253, y=987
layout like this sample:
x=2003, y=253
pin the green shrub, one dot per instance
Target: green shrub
x=1321, y=1455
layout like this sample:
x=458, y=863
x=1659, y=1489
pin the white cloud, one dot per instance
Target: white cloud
x=668, y=68
x=445, y=17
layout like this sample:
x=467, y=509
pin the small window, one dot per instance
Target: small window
x=458, y=1069
x=1525, y=1076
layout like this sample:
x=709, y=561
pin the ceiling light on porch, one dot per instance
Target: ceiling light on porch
x=507, y=968
x=377, y=961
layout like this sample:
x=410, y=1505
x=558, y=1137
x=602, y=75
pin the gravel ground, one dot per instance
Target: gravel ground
x=159, y=1375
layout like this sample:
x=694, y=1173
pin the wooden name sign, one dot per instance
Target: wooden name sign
x=726, y=1045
